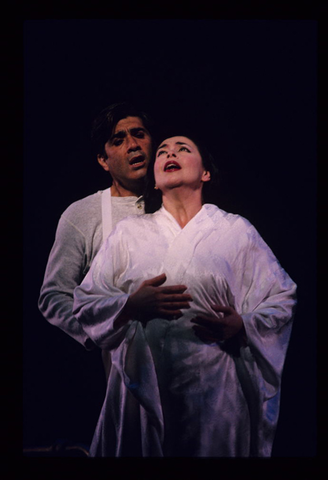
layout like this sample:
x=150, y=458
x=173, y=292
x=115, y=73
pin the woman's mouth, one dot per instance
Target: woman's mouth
x=171, y=166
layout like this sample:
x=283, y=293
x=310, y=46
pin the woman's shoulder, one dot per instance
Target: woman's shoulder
x=232, y=220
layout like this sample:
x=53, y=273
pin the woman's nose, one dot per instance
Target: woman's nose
x=171, y=154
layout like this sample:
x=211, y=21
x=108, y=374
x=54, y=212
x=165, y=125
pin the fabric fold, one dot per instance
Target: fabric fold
x=169, y=393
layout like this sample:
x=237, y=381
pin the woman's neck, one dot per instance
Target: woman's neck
x=182, y=206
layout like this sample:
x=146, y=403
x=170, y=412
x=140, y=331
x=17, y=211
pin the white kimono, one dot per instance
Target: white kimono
x=169, y=393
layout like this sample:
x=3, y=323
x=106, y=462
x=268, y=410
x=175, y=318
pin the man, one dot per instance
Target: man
x=123, y=142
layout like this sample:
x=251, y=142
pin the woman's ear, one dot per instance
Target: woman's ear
x=206, y=176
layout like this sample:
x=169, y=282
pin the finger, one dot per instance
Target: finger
x=222, y=308
x=173, y=289
x=205, y=322
x=205, y=335
x=174, y=305
x=156, y=281
x=181, y=297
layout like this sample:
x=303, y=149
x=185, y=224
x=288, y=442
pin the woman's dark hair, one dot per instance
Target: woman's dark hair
x=153, y=198
x=104, y=124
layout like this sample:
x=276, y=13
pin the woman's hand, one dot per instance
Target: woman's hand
x=151, y=300
x=220, y=327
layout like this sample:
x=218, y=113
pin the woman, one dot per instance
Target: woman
x=207, y=382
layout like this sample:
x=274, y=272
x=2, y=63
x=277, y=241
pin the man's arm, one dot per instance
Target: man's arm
x=64, y=271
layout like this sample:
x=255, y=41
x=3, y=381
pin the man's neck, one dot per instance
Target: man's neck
x=118, y=190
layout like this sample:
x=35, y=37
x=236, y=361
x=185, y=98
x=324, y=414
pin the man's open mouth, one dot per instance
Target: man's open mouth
x=136, y=161
x=171, y=166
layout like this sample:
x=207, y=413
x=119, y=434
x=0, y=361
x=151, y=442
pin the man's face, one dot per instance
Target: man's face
x=128, y=153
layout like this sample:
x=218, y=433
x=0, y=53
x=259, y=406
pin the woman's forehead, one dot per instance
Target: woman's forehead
x=177, y=140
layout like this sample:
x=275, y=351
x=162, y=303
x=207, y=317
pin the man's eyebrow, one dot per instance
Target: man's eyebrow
x=135, y=130
x=122, y=133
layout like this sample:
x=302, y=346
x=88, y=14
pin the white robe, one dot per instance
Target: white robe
x=169, y=393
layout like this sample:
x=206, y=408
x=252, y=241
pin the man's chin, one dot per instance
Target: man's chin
x=138, y=173
x=136, y=167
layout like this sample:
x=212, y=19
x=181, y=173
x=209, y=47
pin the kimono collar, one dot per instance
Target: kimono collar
x=207, y=210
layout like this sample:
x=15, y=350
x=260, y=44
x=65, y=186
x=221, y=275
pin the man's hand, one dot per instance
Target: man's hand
x=153, y=301
x=219, y=327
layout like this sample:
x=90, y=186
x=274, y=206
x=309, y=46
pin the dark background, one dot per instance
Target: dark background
x=250, y=86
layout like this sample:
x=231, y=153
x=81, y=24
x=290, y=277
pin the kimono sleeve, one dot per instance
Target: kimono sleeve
x=267, y=310
x=97, y=301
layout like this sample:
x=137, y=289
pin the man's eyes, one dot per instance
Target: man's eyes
x=118, y=141
x=139, y=134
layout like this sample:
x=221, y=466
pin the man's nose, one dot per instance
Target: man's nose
x=132, y=144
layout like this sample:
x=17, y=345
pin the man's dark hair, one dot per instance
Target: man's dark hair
x=104, y=124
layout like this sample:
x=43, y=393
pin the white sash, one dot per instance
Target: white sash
x=106, y=213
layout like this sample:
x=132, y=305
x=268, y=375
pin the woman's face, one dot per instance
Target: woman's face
x=178, y=163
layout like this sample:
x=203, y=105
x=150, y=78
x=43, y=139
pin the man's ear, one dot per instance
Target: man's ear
x=206, y=176
x=103, y=162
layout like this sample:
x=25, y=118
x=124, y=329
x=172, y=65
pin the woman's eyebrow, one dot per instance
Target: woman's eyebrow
x=176, y=143
x=162, y=146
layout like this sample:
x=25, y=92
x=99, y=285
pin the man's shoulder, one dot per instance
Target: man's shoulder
x=84, y=209
x=90, y=201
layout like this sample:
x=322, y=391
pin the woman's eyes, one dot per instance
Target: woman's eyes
x=180, y=149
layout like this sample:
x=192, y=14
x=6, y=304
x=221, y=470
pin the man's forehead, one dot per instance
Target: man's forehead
x=128, y=123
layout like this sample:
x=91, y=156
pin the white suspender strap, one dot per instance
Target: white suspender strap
x=106, y=213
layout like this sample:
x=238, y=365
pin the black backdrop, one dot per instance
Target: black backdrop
x=250, y=85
